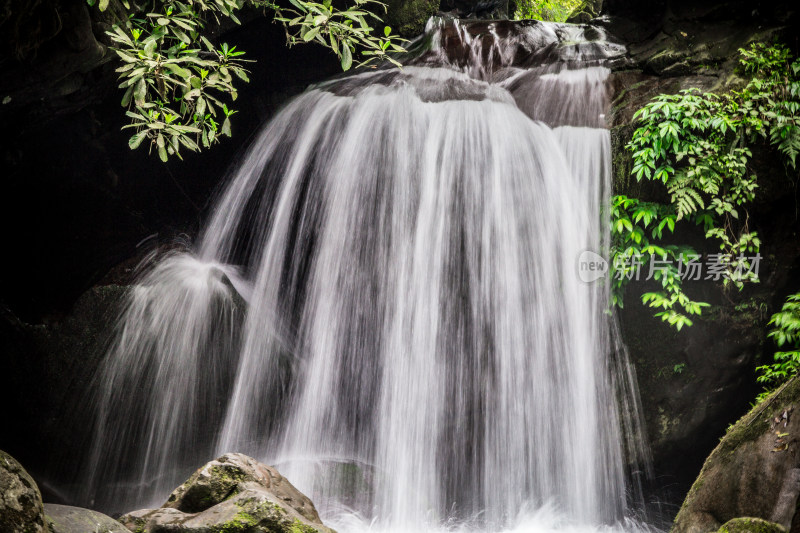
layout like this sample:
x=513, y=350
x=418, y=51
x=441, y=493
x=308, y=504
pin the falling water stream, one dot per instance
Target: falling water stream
x=386, y=304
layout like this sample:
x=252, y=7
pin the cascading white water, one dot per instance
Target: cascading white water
x=417, y=349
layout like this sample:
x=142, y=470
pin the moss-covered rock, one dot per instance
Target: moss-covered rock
x=751, y=473
x=751, y=525
x=232, y=494
x=586, y=11
x=21, y=509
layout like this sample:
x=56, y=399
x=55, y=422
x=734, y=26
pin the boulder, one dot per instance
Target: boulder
x=231, y=493
x=21, y=509
x=67, y=519
x=751, y=473
x=751, y=525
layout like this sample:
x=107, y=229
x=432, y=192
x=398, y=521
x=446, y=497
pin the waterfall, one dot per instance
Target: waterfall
x=386, y=304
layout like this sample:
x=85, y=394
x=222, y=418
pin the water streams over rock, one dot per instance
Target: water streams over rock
x=386, y=302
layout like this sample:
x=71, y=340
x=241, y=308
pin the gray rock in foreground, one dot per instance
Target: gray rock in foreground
x=21, y=509
x=231, y=493
x=68, y=519
x=753, y=473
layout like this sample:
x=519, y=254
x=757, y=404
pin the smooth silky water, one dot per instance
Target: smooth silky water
x=386, y=305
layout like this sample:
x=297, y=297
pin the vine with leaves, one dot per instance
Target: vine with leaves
x=697, y=145
x=785, y=333
x=179, y=87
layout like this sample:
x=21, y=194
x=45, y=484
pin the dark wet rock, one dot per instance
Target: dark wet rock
x=58, y=360
x=234, y=492
x=753, y=472
x=478, y=9
x=21, y=509
x=67, y=519
x=408, y=17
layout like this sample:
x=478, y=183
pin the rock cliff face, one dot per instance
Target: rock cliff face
x=697, y=381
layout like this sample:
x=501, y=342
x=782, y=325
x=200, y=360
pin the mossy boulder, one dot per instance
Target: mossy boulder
x=586, y=12
x=232, y=494
x=21, y=509
x=751, y=525
x=753, y=472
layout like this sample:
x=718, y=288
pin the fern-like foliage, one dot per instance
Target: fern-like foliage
x=785, y=333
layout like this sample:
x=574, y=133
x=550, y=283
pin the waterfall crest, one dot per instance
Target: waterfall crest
x=386, y=301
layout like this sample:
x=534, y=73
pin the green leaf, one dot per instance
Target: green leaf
x=126, y=98
x=178, y=70
x=136, y=140
x=311, y=33
x=150, y=47
x=162, y=151
x=347, y=58
x=140, y=92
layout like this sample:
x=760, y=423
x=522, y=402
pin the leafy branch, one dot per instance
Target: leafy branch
x=342, y=31
x=180, y=87
x=637, y=230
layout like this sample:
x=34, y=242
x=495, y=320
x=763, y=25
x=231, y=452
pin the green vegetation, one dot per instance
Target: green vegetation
x=179, y=86
x=550, y=10
x=785, y=332
x=696, y=145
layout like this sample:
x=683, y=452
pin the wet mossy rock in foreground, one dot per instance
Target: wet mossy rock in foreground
x=21, y=509
x=232, y=494
x=753, y=472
